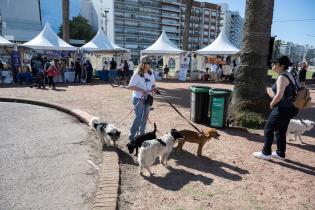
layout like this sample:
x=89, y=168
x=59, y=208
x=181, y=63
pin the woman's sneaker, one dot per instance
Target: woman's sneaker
x=260, y=155
x=275, y=155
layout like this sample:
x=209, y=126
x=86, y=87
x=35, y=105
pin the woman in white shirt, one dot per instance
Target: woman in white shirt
x=143, y=85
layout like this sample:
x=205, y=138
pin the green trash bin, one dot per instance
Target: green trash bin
x=199, y=104
x=218, y=107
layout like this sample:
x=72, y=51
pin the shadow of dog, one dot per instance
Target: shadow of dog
x=207, y=165
x=176, y=179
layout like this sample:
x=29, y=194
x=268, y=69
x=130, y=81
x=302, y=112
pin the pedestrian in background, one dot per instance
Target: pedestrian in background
x=112, y=70
x=51, y=73
x=89, y=71
x=166, y=70
x=302, y=74
x=131, y=67
x=78, y=71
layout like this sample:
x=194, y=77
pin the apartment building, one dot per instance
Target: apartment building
x=204, y=24
x=295, y=52
x=232, y=24
x=136, y=24
x=20, y=19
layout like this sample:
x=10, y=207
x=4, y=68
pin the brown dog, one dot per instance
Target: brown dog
x=194, y=137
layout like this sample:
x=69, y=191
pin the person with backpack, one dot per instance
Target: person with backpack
x=283, y=110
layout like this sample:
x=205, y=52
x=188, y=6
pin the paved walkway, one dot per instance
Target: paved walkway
x=43, y=159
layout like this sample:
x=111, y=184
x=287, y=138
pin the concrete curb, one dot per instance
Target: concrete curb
x=107, y=195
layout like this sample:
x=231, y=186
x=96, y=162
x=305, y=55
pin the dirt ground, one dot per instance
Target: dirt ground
x=226, y=177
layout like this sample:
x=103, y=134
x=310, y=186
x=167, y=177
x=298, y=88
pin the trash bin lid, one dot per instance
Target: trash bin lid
x=217, y=92
x=200, y=89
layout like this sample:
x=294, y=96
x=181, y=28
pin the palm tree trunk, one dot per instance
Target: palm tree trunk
x=250, y=103
x=65, y=20
x=187, y=24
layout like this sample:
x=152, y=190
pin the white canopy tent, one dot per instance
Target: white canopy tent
x=4, y=42
x=220, y=46
x=100, y=43
x=162, y=46
x=47, y=39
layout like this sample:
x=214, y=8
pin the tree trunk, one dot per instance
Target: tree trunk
x=187, y=24
x=250, y=103
x=65, y=20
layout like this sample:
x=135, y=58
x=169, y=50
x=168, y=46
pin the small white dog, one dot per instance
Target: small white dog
x=152, y=149
x=105, y=132
x=298, y=127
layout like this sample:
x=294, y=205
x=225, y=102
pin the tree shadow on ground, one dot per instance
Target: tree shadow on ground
x=204, y=164
x=308, y=147
x=176, y=179
x=296, y=166
x=255, y=137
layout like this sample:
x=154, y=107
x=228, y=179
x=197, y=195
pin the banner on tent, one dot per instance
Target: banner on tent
x=184, y=65
x=16, y=59
x=214, y=60
x=54, y=53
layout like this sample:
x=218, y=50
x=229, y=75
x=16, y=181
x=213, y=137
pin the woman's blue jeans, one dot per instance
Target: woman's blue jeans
x=140, y=121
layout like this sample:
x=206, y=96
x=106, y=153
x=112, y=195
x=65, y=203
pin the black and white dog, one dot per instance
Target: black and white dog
x=137, y=142
x=152, y=149
x=105, y=132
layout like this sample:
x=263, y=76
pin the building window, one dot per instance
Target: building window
x=213, y=13
x=131, y=46
x=207, y=12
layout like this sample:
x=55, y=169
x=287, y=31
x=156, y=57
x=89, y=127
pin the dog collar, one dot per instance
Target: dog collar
x=161, y=142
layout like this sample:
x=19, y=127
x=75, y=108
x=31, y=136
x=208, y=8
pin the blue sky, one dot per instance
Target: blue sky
x=52, y=11
x=299, y=32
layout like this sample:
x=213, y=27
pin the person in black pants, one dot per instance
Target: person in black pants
x=78, y=71
x=282, y=111
x=302, y=74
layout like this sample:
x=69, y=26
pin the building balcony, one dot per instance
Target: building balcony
x=167, y=15
x=168, y=23
x=172, y=9
x=176, y=2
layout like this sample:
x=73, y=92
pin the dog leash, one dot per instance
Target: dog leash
x=132, y=109
x=147, y=117
x=159, y=93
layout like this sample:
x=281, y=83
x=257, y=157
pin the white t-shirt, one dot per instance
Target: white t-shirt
x=145, y=83
x=131, y=65
x=105, y=66
x=214, y=67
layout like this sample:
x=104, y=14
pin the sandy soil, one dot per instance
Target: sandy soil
x=226, y=177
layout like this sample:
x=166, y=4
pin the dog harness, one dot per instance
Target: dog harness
x=161, y=142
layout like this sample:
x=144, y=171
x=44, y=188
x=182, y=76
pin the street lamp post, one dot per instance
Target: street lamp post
x=104, y=15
